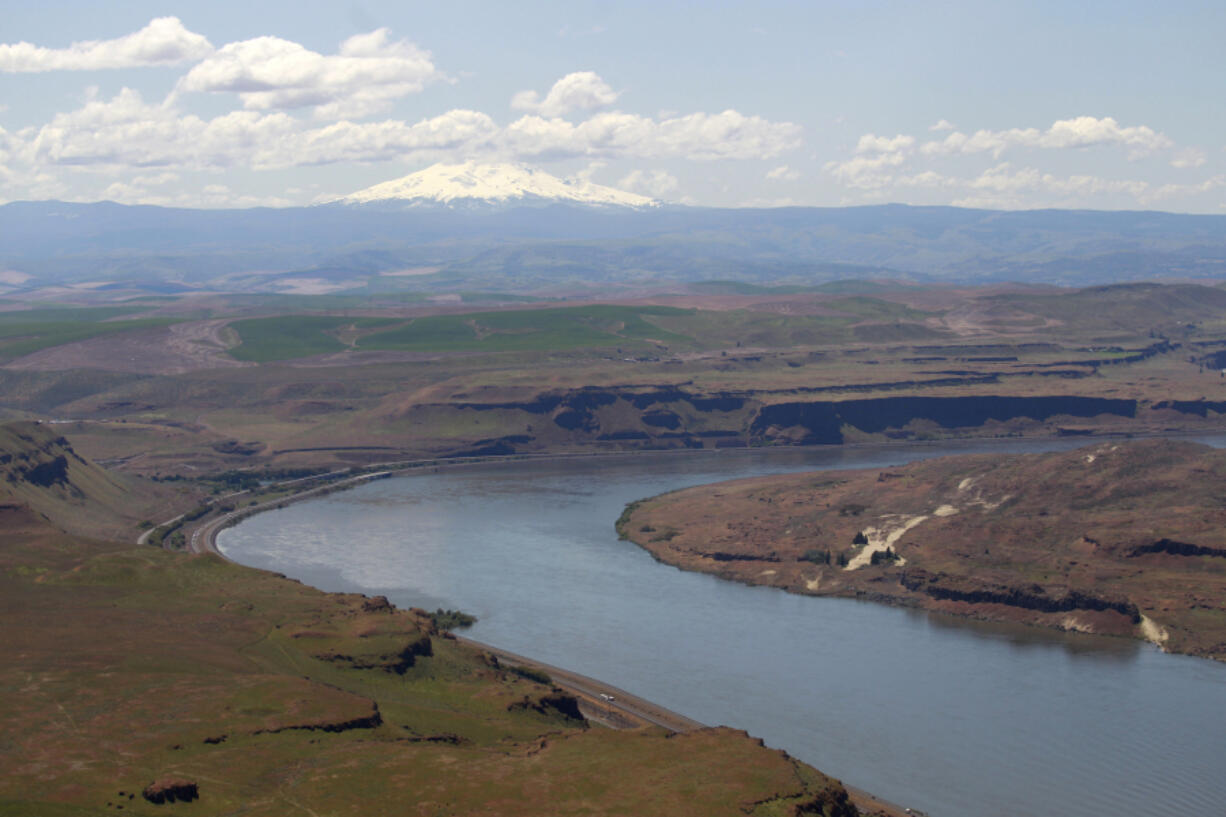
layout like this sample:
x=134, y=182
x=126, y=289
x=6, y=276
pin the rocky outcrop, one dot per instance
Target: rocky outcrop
x=823, y=421
x=831, y=802
x=943, y=587
x=553, y=704
x=171, y=790
x=371, y=721
x=1174, y=548
x=397, y=661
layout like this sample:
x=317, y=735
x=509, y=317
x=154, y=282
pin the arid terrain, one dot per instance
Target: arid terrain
x=137, y=678
x=1123, y=538
x=157, y=417
x=197, y=385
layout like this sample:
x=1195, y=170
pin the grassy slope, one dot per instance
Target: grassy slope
x=1018, y=528
x=284, y=337
x=40, y=470
x=126, y=665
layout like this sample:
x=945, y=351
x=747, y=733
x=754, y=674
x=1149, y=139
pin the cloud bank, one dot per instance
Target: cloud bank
x=165, y=41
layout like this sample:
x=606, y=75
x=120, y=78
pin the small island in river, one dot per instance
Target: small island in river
x=1120, y=538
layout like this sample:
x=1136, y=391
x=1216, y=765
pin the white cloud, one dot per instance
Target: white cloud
x=941, y=125
x=655, y=183
x=875, y=160
x=1078, y=132
x=268, y=73
x=1004, y=179
x=866, y=172
x=783, y=173
x=1188, y=158
x=126, y=131
x=165, y=41
x=581, y=90
x=697, y=136
x=870, y=143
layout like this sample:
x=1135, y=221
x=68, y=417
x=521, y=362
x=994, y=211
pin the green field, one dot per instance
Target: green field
x=557, y=329
x=292, y=336
x=29, y=330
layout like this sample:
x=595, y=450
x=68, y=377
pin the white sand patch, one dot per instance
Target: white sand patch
x=1090, y=458
x=1153, y=631
x=989, y=505
x=945, y=510
x=768, y=572
x=1076, y=625
x=882, y=538
x=813, y=584
x=966, y=483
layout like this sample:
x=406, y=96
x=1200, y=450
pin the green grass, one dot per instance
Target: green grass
x=23, y=332
x=557, y=329
x=293, y=336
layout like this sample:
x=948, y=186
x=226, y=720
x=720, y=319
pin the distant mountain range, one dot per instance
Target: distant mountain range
x=514, y=229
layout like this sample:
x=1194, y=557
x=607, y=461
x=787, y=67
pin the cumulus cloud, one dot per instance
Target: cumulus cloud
x=1189, y=157
x=366, y=75
x=1079, y=132
x=165, y=41
x=941, y=125
x=581, y=90
x=876, y=158
x=870, y=143
x=697, y=136
x=658, y=184
x=783, y=173
x=127, y=131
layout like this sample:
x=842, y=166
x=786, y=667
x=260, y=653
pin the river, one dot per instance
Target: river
x=957, y=718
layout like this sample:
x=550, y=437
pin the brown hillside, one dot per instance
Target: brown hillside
x=1123, y=538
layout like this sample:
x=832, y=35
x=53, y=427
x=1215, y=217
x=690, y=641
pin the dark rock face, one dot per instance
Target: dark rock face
x=556, y=703
x=829, y=803
x=171, y=790
x=50, y=473
x=371, y=721
x=1200, y=408
x=378, y=604
x=662, y=419
x=824, y=420
x=721, y=556
x=1174, y=548
x=1035, y=597
x=397, y=662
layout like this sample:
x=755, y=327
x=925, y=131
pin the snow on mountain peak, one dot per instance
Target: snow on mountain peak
x=492, y=183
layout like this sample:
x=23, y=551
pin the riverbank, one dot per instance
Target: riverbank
x=1116, y=538
x=203, y=538
x=625, y=710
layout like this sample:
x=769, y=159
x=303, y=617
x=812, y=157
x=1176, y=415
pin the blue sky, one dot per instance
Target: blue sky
x=1091, y=105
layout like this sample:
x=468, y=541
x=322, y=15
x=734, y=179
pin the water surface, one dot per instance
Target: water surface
x=958, y=718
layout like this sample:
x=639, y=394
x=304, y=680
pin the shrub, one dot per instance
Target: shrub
x=452, y=619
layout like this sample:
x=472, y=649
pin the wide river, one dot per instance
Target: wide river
x=957, y=718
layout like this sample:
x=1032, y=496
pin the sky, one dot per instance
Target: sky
x=1089, y=105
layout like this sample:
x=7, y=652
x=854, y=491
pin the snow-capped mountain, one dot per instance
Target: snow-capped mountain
x=472, y=183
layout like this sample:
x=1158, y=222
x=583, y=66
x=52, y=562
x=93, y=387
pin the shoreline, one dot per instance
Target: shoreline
x=627, y=710
x=398, y=467
x=624, y=710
